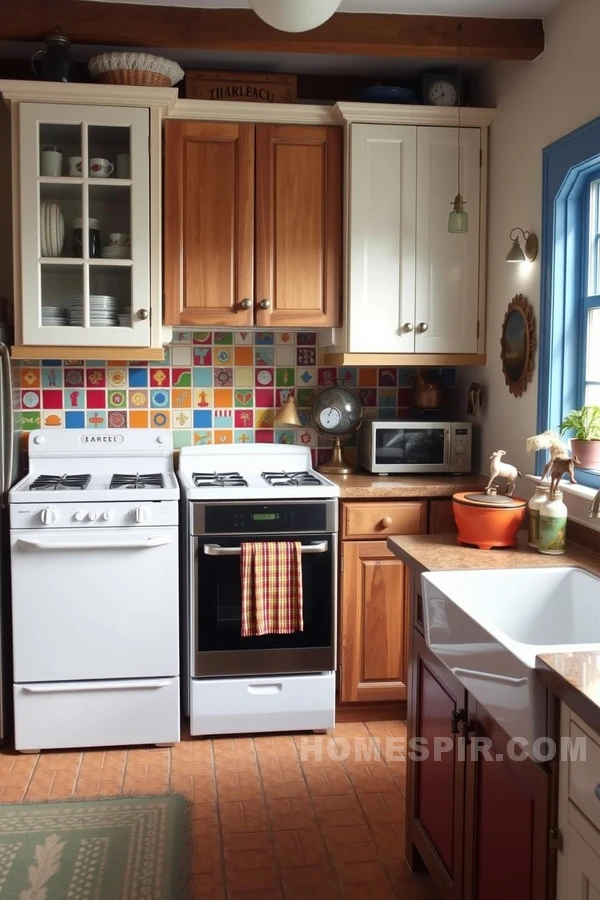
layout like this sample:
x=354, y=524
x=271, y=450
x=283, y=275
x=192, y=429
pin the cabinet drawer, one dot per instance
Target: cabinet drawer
x=584, y=776
x=376, y=520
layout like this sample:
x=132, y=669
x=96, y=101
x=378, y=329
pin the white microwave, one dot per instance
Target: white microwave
x=406, y=447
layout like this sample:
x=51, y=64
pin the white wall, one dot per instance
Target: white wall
x=536, y=103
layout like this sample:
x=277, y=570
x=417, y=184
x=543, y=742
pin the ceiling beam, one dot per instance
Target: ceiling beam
x=352, y=34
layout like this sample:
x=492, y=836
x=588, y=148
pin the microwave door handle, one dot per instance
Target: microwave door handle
x=447, y=450
x=217, y=550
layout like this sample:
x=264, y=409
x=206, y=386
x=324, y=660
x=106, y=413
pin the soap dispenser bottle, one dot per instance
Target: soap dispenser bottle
x=540, y=497
x=553, y=525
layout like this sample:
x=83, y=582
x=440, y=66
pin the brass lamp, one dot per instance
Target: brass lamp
x=288, y=416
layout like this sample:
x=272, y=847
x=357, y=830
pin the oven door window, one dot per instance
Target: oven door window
x=409, y=446
x=219, y=599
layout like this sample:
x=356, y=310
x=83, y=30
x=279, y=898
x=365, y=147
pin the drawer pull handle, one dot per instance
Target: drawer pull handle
x=386, y=522
x=265, y=688
x=597, y=791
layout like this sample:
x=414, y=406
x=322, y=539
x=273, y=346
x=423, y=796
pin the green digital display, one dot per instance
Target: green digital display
x=264, y=517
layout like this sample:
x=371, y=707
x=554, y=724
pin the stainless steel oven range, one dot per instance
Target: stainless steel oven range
x=271, y=682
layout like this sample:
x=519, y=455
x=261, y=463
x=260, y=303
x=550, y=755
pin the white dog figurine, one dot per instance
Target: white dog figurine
x=498, y=469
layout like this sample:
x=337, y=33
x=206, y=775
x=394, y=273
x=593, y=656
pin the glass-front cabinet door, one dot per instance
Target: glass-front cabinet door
x=85, y=207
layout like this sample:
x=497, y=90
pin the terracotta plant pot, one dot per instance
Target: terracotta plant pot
x=588, y=453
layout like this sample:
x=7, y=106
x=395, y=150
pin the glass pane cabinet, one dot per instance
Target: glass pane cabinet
x=85, y=233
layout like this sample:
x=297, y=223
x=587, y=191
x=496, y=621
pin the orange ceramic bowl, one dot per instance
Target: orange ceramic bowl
x=485, y=526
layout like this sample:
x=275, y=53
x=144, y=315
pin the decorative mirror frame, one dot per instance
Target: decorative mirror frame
x=521, y=305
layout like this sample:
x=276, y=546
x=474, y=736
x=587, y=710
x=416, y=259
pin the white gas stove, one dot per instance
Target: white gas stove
x=95, y=564
x=275, y=682
x=251, y=472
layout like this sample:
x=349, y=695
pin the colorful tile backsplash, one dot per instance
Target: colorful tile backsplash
x=218, y=387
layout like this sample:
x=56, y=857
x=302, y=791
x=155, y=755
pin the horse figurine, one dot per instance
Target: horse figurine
x=498, y=469
x=559, y=466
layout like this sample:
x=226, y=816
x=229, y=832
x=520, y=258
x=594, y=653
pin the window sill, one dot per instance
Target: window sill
x=578, y=499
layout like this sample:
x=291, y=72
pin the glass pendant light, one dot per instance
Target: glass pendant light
x=294, y=15
x=458, y=220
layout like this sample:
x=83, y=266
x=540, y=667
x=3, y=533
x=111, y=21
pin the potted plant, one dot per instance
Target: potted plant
x=585, y=444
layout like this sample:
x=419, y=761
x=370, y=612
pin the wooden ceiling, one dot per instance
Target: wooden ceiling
x=360, y=34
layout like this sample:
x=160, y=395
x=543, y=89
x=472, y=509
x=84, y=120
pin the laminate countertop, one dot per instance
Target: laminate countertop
x=573, y=677
x=364, y=486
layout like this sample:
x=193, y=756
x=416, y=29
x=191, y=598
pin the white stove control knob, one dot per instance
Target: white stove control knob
x=49, y=515
x=79, y=516
x=161, y=438
x=107, y=516
x=140, y=514
x=39, y=439
x=92, y=516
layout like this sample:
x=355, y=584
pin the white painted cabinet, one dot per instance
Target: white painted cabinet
x=86, y=222
x=411, y=286
x=578, y=869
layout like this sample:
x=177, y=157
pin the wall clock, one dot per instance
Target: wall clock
x=439, y=89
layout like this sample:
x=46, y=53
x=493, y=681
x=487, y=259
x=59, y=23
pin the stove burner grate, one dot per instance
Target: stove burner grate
x=218, y=479
x=296, y=479
x=135, y=482
x=60, y=482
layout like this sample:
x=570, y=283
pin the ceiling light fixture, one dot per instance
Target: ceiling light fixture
x=294, y=15
x=458, y=220
x=520, y=254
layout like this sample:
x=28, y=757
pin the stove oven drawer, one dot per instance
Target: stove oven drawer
x=96, y=713
x=243, y=705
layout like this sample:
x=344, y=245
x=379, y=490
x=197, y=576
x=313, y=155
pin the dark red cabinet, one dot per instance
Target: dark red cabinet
x=479, y=822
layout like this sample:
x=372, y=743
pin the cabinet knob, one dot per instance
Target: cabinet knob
x=265, y=304
x=422, y=326
x=457, y=717
x=408, y=326
x=142, y=314
x=246, y=304
x=386, y=521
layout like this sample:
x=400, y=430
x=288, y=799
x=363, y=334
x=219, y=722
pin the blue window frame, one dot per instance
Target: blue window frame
x=569, y=360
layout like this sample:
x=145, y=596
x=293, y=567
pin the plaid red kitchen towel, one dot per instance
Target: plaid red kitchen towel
x=271, y=588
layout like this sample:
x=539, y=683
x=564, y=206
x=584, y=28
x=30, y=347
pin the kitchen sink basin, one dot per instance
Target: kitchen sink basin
x=488, y=626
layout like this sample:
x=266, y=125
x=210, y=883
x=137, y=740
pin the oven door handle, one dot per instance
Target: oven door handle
x=217, y=550
x=78, y=687
x=29, y=544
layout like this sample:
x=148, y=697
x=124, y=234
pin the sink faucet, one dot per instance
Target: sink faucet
x=595, y=507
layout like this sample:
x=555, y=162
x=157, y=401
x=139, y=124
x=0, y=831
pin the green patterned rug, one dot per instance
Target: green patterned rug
x=123, y=849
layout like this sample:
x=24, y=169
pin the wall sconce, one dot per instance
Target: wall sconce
x=288, y=416
x=519, y=254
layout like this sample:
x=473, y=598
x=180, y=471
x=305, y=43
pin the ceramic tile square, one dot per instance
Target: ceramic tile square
x=138, y=399
x=202, y=356
x=52, y=399
x=30, y=421
x=405, y=377
x=52, y=362
x=306, y=377
x=223, y=397
x=264, y=356
x=160, y=419
x=203, y=418
x=285, y=355
x=182, y=418
x=203, y=437
x=284, y=437
x=284, y=377
x=264, y=377
x=264, y=436
x=74, y=377
x=73, y=399
x=202, y=337
x=223, y=356
x=264, y=338
x=181, y=336
x=281, y=395
x=138, y=418
x=223, y=377
x=386, y=377
x=160, y=399
x=223, y=436
x=117, y=399
x=116, y=378
x=368, y=396
x=244, y=418
x=387, y=397
x=75, y=419
x=243, y=337
x=54, y=420
x=348, y=373
x=138, y=377
x=264, y=397
x=303, y=396
x=367, y=377
x=306, y=338
x=241, y=436
x=203, y=398
x=263, y=418
x=327, y=375
x=306, y=356
x=202, y=377
x=243, y=376
x=307, y=436
x=244, y=398
x=30, y=399
x=52, y=377
x=244, y=356
x=95, y=378
x=182, y=439
x=181, y=378
x=30, y=378
x=160, y=378
x=117, y=419
x=222, y=418
x=95, y=418
x=223, y=337
x=181, y=355
x=181, y=397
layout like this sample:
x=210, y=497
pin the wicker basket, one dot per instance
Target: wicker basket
x=139, y=77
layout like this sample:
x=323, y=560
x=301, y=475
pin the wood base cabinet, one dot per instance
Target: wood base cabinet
x=478, y=820
x=253, y=222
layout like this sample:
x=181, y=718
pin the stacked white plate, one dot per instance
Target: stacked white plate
x=55, y=315
x=103, y=311
x=52, y=229
x=125, y=317
x=115, y=252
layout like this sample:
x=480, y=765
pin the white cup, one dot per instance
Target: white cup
x=123, y=165
x=51, y=163
x=118, y=239
x=75, y=166
x=100, y=168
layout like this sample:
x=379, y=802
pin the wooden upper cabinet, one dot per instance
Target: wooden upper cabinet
x=298, y=225
x=209, y=223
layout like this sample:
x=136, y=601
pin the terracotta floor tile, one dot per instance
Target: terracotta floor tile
x=378, y=890
x=307, y=877
x=206, y=843
x=204, y=810
x=346, y=834
x=389, y=842
x=286, y=790
x=316, y=892
x=353, y=873
x=206, y=827
x=205, y=862
x=232, y=744
x=275, y=894
x=383, y=808
x=249, y=860
x=247, y=815
x=247, y=840
x=300, y=848
x=327, y=784
x=366, y=851
x=208, y=885
x=253, y=880
x=291, y=814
